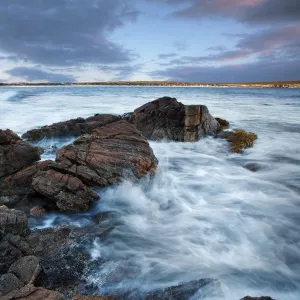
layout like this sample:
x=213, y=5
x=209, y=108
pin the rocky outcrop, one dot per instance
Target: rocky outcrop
x=166, y=118
x=15, y=154
x=68, y=192
x=110, y=153
x=73, y=127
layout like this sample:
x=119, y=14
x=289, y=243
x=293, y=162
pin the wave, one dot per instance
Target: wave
x=7, y=95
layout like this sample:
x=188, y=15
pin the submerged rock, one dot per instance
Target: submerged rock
x=73, y=127
x=15, y=153
x=239, y=139
x=257, y=298
x=109, y=154
x=166, y=118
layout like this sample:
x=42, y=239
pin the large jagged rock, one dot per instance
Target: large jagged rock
x=15, y=154
x=68, y=192
x=15, y=188
x=166, y=118
x=111, y=153
x=73, y=127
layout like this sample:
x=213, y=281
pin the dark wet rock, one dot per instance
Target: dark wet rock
x=257, y=298
x=198, y=289
x=253, y=167
x=68, y=192
x=111, y=153
x=94, y=297
x=239, y=139
x=12, y=221
x=61, y=259
x=15, y=189
x=203, y=287
x=15, y=154
x=8, y=283
x=26, y=269
x=224, y=124
x=74, y=127
x=30, y=292
x=166, y=118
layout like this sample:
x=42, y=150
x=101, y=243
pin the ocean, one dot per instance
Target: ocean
x=204, y=214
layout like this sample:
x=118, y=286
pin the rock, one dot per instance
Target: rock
x=62, y=261
x=223, y=123
x=74, y=127
x=206, y=287
x=239, y=139
x=15, y=154
x=30, y=292
x=15, y=189
x=37, y=211
x=253, y=167
x=257, y=298
x=8, y=283
x=166, y=118
x=79, y=297
x=12, y=221
x=68, y=192
x=26, y=269
x=111, y=153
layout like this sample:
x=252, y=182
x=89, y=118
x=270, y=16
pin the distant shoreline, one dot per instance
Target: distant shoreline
x=275, y=84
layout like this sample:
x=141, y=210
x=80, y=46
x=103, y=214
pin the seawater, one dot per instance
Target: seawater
x=203, y=215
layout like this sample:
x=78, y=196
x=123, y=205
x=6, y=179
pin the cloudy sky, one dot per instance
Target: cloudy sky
x=184, y=40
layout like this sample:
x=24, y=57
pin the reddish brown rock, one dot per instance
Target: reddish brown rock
x=111, y=153
x=30, y=292
x=15, y=188
x=15, y=154
x=68, y=192
x=166, y=118
x=38, y=211
x=73, y=127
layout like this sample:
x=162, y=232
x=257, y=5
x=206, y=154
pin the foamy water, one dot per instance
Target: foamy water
x=203, y=215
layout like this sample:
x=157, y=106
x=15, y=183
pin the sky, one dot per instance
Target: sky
x=180, y=40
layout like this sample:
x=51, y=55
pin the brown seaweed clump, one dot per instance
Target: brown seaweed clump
x=239, y=139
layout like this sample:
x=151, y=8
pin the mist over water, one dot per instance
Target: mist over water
x=203, y=215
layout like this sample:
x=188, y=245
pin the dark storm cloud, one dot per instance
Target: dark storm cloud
x=250, y=11
x=258, y=71
x=63, y=32
x=33, y=74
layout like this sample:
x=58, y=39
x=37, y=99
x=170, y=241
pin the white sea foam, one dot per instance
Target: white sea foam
x=203, y=215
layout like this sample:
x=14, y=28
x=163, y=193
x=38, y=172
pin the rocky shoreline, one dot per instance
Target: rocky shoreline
x=51, y=263
x=277, y=84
